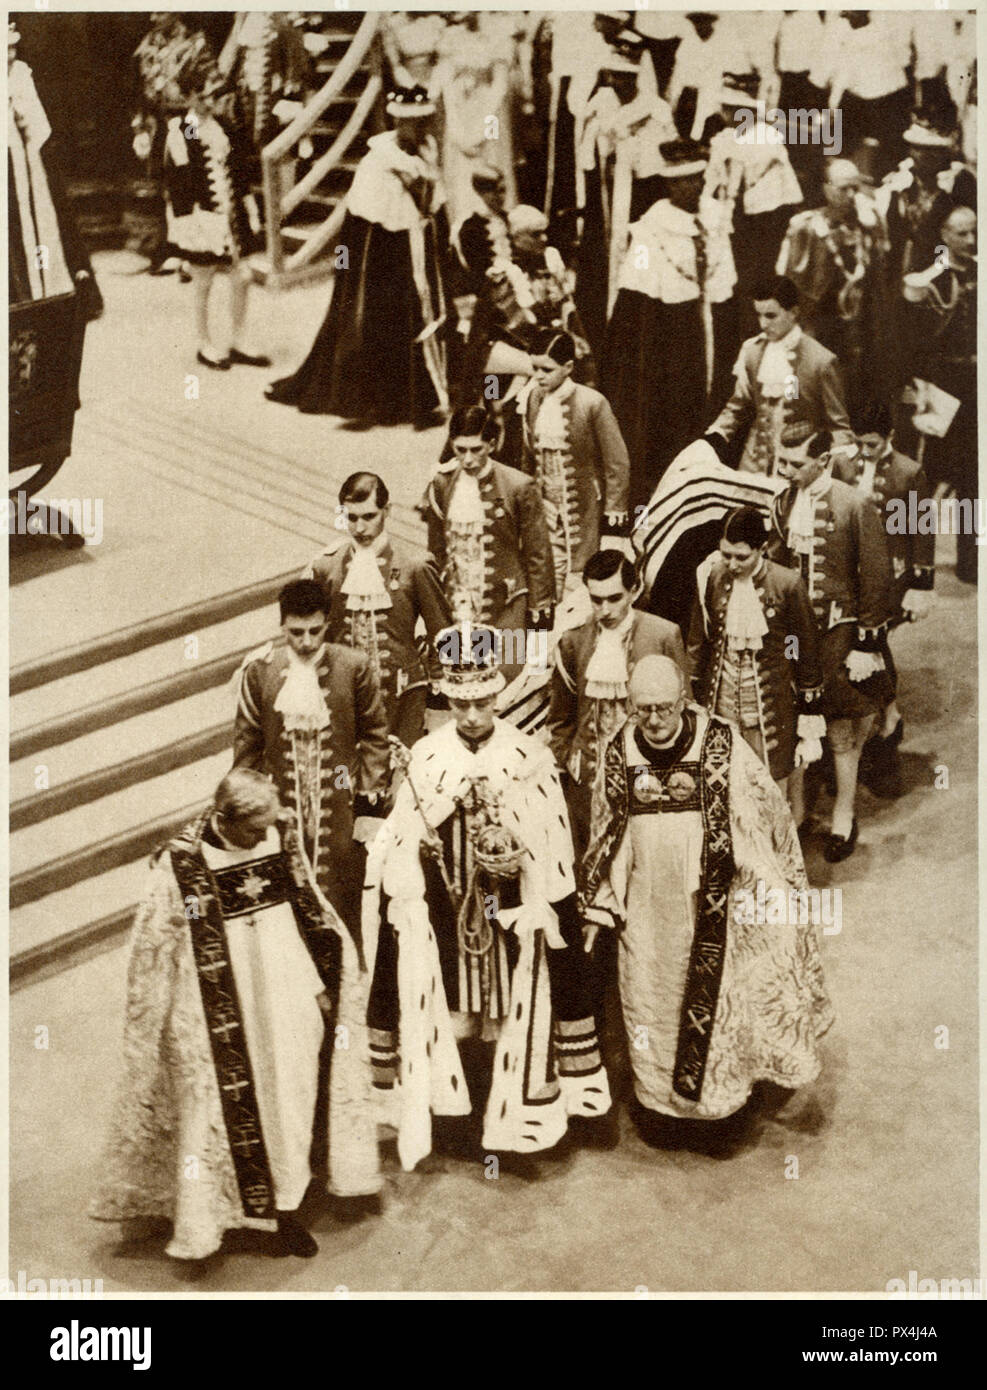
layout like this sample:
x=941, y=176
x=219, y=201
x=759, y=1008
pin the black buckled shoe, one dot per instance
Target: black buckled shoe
x=220, y=365
x=246, y=359
x=840, y=847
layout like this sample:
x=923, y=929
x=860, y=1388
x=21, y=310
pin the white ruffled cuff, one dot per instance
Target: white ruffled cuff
x=811, y=727
x=861, y=665
x=915, y=602
x=807, y=750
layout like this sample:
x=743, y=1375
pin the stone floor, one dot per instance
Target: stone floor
x=885, y=1141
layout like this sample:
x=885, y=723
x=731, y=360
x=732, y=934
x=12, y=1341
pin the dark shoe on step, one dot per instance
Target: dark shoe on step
x=246, y=359
x=222, y=365
x=840, y=847
x=293, y=1237
x=523, y=1166
x=595, y=1131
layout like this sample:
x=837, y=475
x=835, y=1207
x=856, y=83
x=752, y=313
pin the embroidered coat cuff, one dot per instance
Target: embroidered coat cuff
x=368, y=804
x=869, y=638
x=809, y=700
x=541, y=619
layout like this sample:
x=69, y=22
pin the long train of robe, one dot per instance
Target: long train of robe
x=366, y=361
x=683, y=522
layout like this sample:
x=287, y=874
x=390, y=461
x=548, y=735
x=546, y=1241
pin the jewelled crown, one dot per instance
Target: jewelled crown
x=469, y=655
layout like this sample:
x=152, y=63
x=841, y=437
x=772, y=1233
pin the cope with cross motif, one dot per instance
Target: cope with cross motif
x=253, y=886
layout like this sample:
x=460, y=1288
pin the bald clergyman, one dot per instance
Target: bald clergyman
x=686, y=824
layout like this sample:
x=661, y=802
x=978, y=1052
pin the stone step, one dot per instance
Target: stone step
x=38, y=852
x=39, y=928
x=125, y=673
x=145, y=736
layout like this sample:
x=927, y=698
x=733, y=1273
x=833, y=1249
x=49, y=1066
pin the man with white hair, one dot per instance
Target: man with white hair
x=837, y=256
x=686, y=822
x=523, y=295
x=240, y=971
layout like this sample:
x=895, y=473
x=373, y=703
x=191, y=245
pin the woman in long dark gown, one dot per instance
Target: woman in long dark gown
x=380, y=356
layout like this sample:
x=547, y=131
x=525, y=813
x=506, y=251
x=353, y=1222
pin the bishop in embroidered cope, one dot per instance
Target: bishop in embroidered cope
x=685, y=820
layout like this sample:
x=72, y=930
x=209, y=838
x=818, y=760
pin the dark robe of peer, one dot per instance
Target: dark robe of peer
x=653, y=366
x=367, y=363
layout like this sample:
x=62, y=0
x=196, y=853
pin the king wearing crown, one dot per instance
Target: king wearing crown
x=478, y=957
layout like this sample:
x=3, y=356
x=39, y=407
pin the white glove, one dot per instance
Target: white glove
x=860, y=665
x=915, y=603
x=142, y=144
x=807, y=750
x=867, y=217
x=366, y=829
x=286, y=110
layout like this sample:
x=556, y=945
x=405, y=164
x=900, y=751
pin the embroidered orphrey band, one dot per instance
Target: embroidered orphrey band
x=224, y=1023
x=705, y=973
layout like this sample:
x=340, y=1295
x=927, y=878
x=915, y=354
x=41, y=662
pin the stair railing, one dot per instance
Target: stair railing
x=276, y=157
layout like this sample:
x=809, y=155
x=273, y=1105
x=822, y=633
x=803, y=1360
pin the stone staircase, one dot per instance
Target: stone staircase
x=337, y=28
x=332, y=132
x=118, y=741
x=113, y=746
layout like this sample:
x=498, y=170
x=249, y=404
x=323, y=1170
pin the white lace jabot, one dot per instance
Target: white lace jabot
x=300, y=700
x=362, y=583
x=606, y=670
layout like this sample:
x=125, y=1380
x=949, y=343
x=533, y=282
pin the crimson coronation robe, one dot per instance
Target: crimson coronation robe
x=713, y=1000
x=212, y=1125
